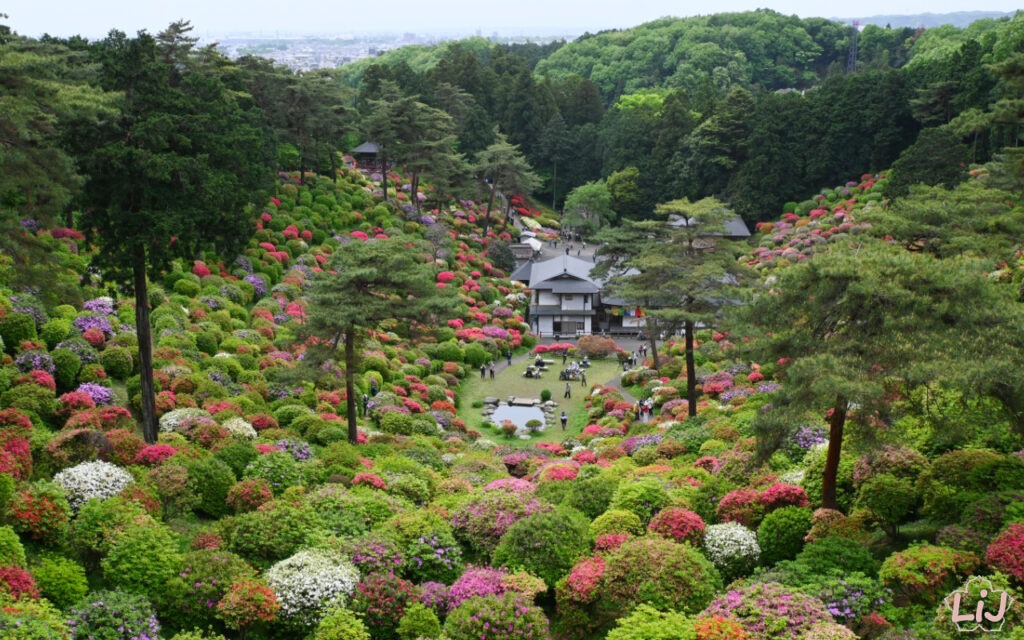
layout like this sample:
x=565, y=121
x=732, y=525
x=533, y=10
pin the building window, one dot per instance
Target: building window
x=567, y=297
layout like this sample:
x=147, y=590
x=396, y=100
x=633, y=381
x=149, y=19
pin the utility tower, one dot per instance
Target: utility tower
x=851, y=60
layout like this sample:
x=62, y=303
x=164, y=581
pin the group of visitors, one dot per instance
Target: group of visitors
x=643, y=410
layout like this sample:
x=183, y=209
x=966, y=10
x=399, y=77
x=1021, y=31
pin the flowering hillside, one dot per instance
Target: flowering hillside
x=253, y=516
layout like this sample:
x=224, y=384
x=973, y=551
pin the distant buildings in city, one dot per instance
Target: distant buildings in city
x=308, y=52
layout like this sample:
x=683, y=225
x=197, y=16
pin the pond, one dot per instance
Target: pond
x=519, y=416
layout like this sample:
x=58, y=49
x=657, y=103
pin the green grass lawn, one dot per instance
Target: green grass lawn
x=511, y=382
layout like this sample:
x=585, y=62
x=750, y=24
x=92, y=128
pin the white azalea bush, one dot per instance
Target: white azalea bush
x=173, y=420
x=88, y=480
x=732, y=548
x=240, y=428
x=310, y=582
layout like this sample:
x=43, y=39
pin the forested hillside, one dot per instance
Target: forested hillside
x=246, y=376
x=755, y=108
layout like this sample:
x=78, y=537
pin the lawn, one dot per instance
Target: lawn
x=510, y=382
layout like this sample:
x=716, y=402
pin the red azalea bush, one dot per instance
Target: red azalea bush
x=582, y=582
x=246, y=603
x=382, y=599
x=125, y=445
x=924, y=573
x=719, y=628
x=783, y=495
x=370, y=480
x=39, y=511
x=18, y=583
x=742, y=505
x=249, y=494
x=679, y=524
x=155, y=454
x=1006, y=552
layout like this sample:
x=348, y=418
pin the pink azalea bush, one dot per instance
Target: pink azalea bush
x=768, y=610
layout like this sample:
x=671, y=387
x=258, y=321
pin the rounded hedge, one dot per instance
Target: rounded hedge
x=781, y=534
x=545, y=544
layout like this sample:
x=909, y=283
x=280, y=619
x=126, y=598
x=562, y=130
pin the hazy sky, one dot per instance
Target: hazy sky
x=94, y=18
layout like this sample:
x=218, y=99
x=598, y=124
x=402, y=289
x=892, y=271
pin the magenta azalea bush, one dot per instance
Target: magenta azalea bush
x=768, y=610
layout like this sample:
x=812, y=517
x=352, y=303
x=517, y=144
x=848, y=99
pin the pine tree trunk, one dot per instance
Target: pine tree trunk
x=350, y=383
x=835, y=444
x=691, y=371
x=144, y=333
x=384, y=174
x=490, y=203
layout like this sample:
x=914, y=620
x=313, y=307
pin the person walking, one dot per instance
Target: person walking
x=492, y=371
x=483, y=372
x=583, y=378
x=568, y=390
x=508, y=357
x=565, y=420
x=366, y=403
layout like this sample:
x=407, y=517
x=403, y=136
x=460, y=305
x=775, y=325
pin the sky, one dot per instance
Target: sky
x=94, y=18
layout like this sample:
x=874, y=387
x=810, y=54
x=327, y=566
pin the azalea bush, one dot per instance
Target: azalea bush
x=1006, y=552
x=678, y=524
x=659, y=572
x=768, y=610
x=88, y=480
x=309, y=582
x=510, y=617
x=114, y=614
x=925, y=573
x=545, y=544
x=40, y=511
x=733, y=548
x=382, y=599
x=247, y=603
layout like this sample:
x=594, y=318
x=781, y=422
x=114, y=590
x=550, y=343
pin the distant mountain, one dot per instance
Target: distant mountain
x=958, y=19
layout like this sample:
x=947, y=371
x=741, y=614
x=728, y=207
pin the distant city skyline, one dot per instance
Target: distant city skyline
x=443, y=17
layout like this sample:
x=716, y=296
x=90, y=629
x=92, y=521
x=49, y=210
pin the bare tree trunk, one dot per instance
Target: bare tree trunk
x=835, y=443
x=691, y=370
x=490, y=203
x=144, y=333
x=350, y=384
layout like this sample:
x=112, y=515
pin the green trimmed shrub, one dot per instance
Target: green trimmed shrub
x=616, y=521
x=16, y=327
x=840, y=554
x=272, y=533
x=591, y=495
x=31, y=398
x=114, y=615
x=237, y=455
x=60, y=580
x=647, y=623
x=212, y=478
x=397, y=423
x=55, y=330
x=341, y=624
x=643, y=497
x=659, y=572
x=545, y=544
x=278, y=468
x=418, y=622
x=117, y=362
x=891, y=499
x=142, y=559
x=28, y=619
x=781, y=534
x=12, y=553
